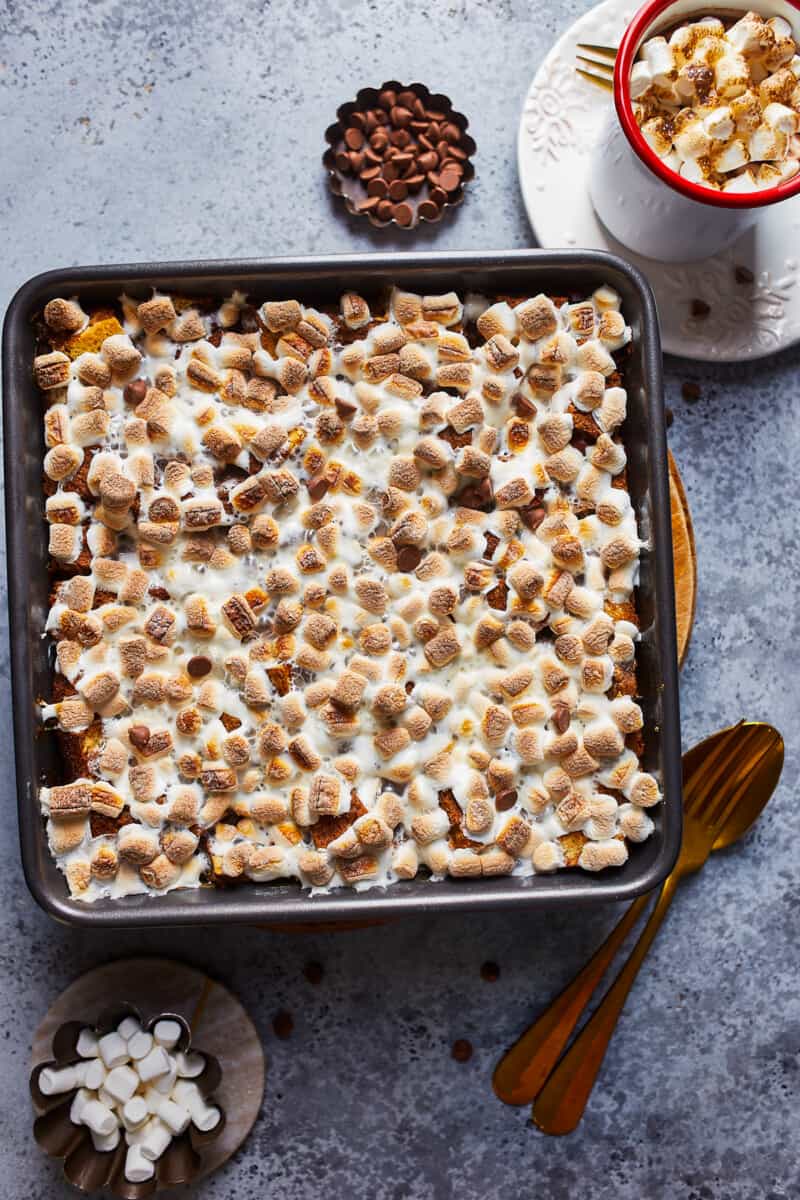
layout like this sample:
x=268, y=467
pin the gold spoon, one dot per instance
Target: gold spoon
x=757, y=749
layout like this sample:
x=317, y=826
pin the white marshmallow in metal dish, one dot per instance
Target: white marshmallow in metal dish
x=134, y=1113
x=105, y=1143
x=154, y=1064
x=156, y=1136
x=127, y=1028
x=87, y=1044
x=167, y=1033
x=53, y=1082
x=190, y=1065
x=121, y=1083
x=113, y=1050
x=140, y=1045
x=138, y=1169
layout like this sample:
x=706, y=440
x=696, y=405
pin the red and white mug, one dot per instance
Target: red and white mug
x=642, y=202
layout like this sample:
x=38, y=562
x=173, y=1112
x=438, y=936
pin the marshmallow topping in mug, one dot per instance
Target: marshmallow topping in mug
x=720, y=103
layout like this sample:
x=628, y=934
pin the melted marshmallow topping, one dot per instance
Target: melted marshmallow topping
x=341, y=595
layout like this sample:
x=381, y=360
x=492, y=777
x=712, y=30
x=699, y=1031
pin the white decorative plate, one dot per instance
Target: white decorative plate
x=752, y=311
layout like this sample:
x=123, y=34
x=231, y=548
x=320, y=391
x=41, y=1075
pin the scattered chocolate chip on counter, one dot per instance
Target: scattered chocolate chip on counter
x=314, y=972
x=690, y=391
x=462, y=1050
x=699, y=309
x=283, y=1025
x=399, y=154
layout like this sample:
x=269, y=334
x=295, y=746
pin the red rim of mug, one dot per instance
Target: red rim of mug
x=632, y=39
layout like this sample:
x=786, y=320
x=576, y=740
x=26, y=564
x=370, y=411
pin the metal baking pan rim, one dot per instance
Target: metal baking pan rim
x=256, y=903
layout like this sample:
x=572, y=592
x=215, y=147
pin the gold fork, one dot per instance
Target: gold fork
x=604, y=76
x=708, y=805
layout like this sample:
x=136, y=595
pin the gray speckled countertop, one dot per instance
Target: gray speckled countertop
x=151, y=130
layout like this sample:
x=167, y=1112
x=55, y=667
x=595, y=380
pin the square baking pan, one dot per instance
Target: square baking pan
x=318, y=281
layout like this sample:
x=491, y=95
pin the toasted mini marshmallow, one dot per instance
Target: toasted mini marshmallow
x=771, y=174
x=766, y=144
x=731, y=75
x=781, y=118
x=731, y=157
x=749, y=34
x=719, y=123
x=658, y=135
x=692, y=140
x=660, y=61
x=641, y=79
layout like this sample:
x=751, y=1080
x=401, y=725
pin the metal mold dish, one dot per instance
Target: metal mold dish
x=351, y=191
x=320, y=280
x=88, y=1169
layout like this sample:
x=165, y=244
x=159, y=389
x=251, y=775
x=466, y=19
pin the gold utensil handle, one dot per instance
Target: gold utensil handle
x=560, y=1104
x=522, y=1070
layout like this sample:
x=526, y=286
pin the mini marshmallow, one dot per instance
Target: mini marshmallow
x=166, y=1082
x=655, y=134
x=731, y=75
x=99, y=1118
x=154, y=1064
x=657, y=54
x=121, y=1083
x=134, y=1113
x=113, y=1050
x=105, y=1143
x=781, y=118
x=167, y=1033
x=747, y=34
x=156, y=1138
x=692, y=171
x=94, y=1075
x=53, y=1082
x=740, y=183
x=140, y=1045
x=204, y=1116
x=766, y=144
x=731, y=157
x=189, y=1066
x=87, y=1044
x=127, y=1028
x=719, y=123
x=82, y=1097
x=780, y=27
x=106, y=1098
x=641, y=80
x=138, y=1169
x=174, y=1115
x=692, y=141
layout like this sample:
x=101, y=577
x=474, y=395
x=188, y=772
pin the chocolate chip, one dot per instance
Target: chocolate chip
x=427, y=211
x=317, y=487
x=388, y=99
x=385, y=210
x=370, y=204
x=401, y=117
x=354, y=138
x=699, y=309
x=408, y=99
x=743, y=275
x=462, y=1050
x=449, y=181
x=490, y=972
x=345, y=408
x=503, y=801
x=409, y=558
x=139, y=736
x=135, y=391
x=282, y=1025
x=369, y=173
x=398, y=190
x=690, y=391
x=532, y=516
x=313, y=972
x=377, y=187
x=403, y=214
x=560, y=717
x=343, y=162
x=198, y=666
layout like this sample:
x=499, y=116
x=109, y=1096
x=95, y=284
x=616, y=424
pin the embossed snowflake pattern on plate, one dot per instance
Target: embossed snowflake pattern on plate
x=741, y=304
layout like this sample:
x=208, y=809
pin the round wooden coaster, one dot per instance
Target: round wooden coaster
x=219, y=1025
x=684, y=559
